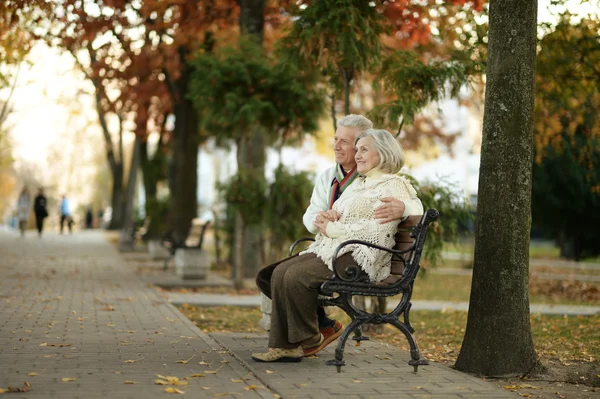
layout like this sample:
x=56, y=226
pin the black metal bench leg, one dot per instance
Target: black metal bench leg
x=415, y=353
x=338, y=361
x=358, y=335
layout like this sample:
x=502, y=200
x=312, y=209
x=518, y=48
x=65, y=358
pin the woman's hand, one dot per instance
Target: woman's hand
x=321, y=225
x=330, y=215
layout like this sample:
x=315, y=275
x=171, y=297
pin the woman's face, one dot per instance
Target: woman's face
x=366, y=156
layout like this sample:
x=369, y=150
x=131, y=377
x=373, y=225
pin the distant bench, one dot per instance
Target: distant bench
x=406, y=254
x=194, y=240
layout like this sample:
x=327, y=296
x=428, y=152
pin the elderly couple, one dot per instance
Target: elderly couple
x=362, y=197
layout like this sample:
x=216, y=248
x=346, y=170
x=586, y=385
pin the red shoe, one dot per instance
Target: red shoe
x=329, y=335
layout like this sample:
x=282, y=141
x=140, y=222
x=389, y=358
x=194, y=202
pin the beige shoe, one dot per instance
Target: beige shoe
x=279, y=355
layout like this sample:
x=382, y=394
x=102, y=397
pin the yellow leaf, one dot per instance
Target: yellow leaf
x=357, y=381
x=129, y=382
x=173, y=390
x=32, y=374
x=161, y=376
x=276, y=396
x=251, y=387
x=2, y=391
x=111, y=325
x=271, y=372
x=180, y=383
x=183, y=361
x=232, y=380
x=203, y=363
x=44, y=344
x=161, y=382
x=68, y=379
x=197, y=375
x=526, y=395
x=210, y=372
x=129, y=361
x=172, y=379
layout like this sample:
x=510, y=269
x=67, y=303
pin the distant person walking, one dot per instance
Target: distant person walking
x=65, y=215
x=23, y=205
x=89, y=218
x=40, y=210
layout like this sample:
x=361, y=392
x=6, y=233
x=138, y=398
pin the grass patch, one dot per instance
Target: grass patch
x=439, y=287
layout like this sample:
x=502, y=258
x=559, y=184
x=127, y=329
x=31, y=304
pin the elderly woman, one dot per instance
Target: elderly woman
x=294, y=330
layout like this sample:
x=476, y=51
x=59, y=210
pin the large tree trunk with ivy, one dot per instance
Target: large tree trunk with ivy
x=251, y=154
x=251, y=158
x=498, y=339
x=183, y=166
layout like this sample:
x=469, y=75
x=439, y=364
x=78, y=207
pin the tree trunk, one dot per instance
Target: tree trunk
x=116, y=221
x=252, y=151
x=251, y=157
x=183, y=166
x=131, y=183
x=498, y=339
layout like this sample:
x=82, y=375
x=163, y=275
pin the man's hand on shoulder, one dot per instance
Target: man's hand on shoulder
x=392, y=209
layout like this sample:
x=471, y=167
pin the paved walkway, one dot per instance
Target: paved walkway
x=76, y=322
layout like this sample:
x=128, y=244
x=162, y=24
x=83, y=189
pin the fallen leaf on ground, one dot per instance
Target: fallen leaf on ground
x=130, y=361
x=271, y=372
x=232, y=380
x=161, y=382
x=251, y=387
x=129, y=382
x=197, y=375
x=32, y=374
x=173, y=390
x=185, y=361
x=68, y=379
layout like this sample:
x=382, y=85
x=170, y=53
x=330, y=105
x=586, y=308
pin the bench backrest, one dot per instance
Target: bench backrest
x=404, y=242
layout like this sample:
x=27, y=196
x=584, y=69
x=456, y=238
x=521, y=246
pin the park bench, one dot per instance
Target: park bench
x=194, y=240
x=341, y=288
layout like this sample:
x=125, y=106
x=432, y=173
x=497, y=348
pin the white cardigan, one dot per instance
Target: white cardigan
x=319, y=201
x=356, y=206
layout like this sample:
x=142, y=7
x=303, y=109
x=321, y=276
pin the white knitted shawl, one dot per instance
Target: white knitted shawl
x=356, y=206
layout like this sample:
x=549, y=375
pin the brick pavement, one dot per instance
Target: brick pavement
x=71, y=308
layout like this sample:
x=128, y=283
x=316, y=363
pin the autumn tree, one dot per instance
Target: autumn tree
x=567, y=136
x=498, y=339
x=380, y=42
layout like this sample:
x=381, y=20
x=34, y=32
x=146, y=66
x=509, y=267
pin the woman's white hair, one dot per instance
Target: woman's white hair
x=357, y=122
x=391, y=154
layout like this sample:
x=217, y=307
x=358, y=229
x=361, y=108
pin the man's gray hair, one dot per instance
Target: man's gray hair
x=391, y=154
x=357, y=122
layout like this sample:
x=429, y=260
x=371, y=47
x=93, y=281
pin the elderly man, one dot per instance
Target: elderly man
x=330, y=185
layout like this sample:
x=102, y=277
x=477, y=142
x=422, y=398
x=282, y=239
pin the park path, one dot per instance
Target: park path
x=76, y=322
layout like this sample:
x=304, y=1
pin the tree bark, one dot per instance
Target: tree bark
x=183, y=165
x=131, y=183
x=498, y=339
x=116, y=221
x=252, y=150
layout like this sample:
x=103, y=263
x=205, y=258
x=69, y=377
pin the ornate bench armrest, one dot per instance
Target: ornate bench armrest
x=295, y=244
x=353, y=272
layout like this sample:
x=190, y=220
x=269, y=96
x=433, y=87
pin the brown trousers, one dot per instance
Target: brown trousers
x=293, y=287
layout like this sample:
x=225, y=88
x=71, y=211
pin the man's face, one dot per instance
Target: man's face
x=343, y=146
